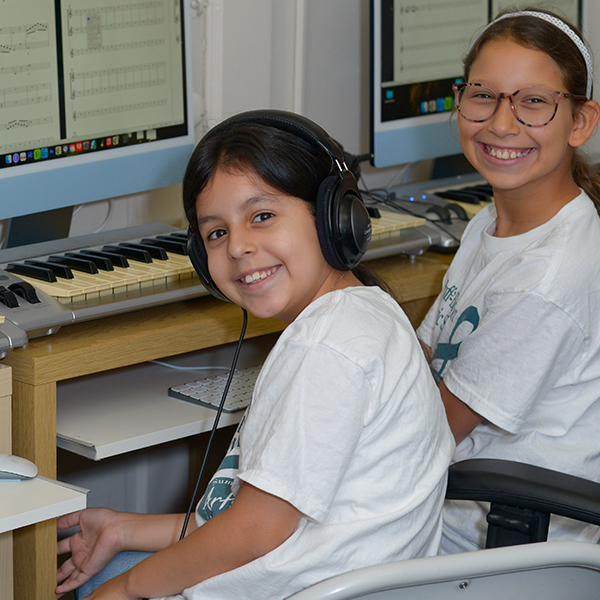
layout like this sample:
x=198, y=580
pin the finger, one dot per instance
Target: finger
x=70, y=520
x=65, y=570
x=76, y=580
x=64, y=546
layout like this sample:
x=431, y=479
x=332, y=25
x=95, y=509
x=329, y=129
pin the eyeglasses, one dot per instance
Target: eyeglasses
x=534, y=107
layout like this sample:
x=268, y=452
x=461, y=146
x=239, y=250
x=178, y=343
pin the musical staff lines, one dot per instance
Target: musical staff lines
x=24, y=95
x=24, y=37
x=116, y=47
x=449, y=24
x=413, y=7
x=112, y=110
x=30, y=68
x=107, y=18
x=25, y=123
x=430, y=37
x=118, y=79
x=120, y=64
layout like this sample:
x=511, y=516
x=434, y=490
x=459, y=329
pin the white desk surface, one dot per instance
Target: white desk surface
x=30, y=501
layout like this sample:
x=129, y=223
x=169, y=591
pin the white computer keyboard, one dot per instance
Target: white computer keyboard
x=209, y=390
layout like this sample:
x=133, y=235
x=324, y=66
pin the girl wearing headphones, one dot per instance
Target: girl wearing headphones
x=341, y=459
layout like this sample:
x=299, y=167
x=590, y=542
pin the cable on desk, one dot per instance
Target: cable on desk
x=180, y=368
x=383, y=196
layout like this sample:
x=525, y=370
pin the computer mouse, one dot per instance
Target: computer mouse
x=438, y=213
x=16, y=468
x=458, y=211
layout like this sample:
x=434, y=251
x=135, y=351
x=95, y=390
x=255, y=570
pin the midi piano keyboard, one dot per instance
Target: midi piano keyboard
x=45, y=286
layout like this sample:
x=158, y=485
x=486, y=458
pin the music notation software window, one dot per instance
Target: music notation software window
x=85, y=75
x=423, y=47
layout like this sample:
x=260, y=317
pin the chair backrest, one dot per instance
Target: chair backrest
x=551, y=570
x=522, y=498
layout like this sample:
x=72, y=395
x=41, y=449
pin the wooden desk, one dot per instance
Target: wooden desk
x=149, y=334
x=6, y=538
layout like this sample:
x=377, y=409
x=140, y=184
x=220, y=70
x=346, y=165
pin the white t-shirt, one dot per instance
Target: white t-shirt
x=515, y=335
x=347, y=425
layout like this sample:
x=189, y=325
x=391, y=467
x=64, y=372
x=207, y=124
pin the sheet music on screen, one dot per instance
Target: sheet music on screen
x=430, y=38
x=85, y=75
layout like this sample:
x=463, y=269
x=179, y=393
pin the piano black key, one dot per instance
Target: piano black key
x=176, y=234
x=133, y=253
x=169, y=244
x=26, y=291
x=156, y=252
x=117, y=260
x=485, y=189
x=40, y=273
x=460, y=196
x=101, y=262
x=77, y=264
x=58, y=269
x=479, y=194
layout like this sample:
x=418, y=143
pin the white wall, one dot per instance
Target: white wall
x=310, y=56
x=591, y=31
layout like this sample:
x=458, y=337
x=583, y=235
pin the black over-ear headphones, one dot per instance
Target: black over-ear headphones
x=343, y=223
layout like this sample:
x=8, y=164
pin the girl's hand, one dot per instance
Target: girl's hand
x=91, y=548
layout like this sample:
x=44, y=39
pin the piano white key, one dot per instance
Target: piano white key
x=61, y=289
x=90, y=283
x=391, y=221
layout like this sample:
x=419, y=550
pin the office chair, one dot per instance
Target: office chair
x=553, y=571
x=522, y=497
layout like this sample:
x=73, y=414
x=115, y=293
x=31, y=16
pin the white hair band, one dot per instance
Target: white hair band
x=587, y=57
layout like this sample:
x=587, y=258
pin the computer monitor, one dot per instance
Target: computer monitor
x=416, y=55
x=95, y=101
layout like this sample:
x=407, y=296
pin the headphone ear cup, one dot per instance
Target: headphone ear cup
x=325, y=229
x=197, y=255
x=343, y=223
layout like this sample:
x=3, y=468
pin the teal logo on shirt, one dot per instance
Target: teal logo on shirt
x=448, y=351
x=219, y=491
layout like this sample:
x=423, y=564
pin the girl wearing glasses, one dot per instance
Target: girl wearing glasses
x=514, y=337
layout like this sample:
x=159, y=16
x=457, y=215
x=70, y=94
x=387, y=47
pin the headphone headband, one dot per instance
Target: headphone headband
x=587, y=57
x=293, y=123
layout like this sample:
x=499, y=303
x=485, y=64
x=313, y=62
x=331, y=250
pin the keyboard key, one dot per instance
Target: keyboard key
x=209, y=391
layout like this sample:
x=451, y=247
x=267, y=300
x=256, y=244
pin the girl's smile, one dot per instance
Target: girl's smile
x=262, y=246
x=257, y=276
x=506, y=154
x=521, y=162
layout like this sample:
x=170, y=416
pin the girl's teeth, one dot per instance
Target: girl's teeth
x=256, y=276
x=506, y=154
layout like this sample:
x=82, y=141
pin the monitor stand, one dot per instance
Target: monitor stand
x=39, y=227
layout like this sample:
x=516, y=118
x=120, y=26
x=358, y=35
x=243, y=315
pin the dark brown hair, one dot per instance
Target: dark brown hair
x=535, y=33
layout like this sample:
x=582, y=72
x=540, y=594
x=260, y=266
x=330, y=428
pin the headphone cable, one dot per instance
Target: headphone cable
x=215, y=424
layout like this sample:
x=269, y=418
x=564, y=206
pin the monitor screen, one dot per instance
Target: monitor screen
x=95, y=100
x=416, y=55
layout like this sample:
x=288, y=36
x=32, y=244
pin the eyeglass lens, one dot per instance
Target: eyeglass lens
x=533, y=106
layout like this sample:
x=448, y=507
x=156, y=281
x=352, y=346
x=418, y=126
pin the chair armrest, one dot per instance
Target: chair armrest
x=525, y=486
